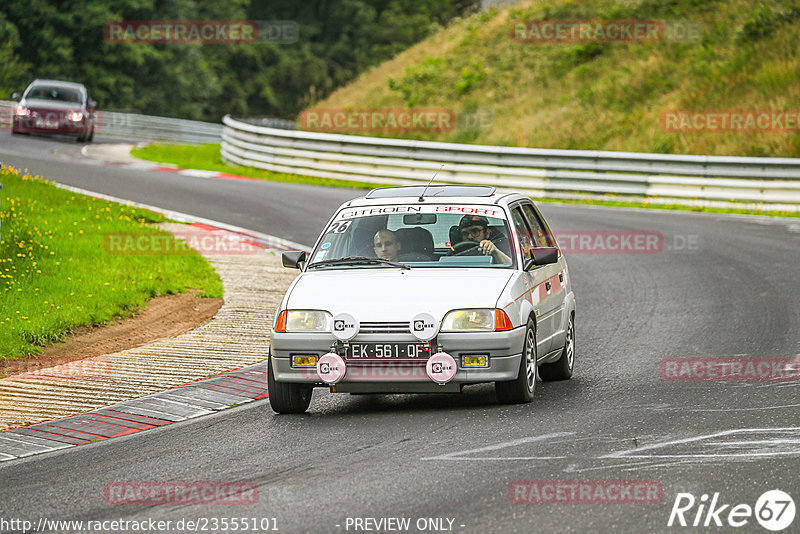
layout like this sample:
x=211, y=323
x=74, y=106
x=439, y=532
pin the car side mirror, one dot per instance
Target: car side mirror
x=16, y=97
x=541, y=256
x=294, y=258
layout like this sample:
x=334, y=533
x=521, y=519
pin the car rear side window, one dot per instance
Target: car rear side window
x=541, y=234
x=526, y=242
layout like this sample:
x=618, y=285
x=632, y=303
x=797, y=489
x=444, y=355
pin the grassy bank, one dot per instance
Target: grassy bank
x=56, y=272
x=745, y=55
x=207, y=158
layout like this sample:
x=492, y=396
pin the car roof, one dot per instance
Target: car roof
x=446, y=194
x=59, y=83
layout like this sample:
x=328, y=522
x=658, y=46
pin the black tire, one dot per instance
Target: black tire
x=81, y=137
x=521, y=389
x=562, y=368
x=287, y=397
x=91, y=135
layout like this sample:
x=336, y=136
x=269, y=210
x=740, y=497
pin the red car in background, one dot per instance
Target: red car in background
x=50, y=106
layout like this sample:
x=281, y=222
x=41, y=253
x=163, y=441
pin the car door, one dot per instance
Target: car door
x=538, y=281
x=555, y=286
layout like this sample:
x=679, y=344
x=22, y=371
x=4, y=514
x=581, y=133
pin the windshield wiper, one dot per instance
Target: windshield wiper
x=358, y=259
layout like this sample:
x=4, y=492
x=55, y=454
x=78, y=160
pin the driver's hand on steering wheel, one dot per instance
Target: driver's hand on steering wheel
x=486, y=247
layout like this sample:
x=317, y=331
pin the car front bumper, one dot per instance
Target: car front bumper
x=62, y=126
x=503, y=349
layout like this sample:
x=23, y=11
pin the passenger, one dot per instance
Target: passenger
x=476, y=228
x=387, y=246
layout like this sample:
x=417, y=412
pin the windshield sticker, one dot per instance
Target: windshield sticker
x=387, y=210
x=339, y=227
x=320, y=255
x=469, y=210
x=324, y=246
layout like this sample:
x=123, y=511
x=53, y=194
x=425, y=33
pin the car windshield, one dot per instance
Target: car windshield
x=58, y=94
x=416, y=236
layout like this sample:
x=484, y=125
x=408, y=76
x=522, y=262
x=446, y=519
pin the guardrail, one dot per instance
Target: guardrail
x=767, y=183
x=144, y=127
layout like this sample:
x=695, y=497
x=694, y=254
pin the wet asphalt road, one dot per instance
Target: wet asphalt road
x=719, y=286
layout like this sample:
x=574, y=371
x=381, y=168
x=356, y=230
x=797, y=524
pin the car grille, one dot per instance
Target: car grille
x=383, y=328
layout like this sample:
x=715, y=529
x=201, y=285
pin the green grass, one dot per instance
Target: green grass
x=56, y=272
x=207, y=158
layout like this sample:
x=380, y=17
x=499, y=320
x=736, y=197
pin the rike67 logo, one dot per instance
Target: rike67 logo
x=774, y=510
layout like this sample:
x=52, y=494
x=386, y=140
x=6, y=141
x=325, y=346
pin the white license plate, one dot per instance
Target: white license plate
x=387, y=351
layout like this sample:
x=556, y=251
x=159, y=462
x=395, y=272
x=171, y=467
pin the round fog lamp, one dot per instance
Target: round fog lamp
x=344, y=327
x=331, y=368
x=424, y=326
x=441, y=368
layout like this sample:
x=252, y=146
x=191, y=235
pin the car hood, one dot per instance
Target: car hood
x=397, y=295
x=52, y=105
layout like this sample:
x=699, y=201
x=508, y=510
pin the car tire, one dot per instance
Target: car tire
x=91, y=135
x=286, y=397
x=562, y=368
x=521, y=389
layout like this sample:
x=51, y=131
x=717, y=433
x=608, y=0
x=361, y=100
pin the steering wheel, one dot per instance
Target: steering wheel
x=466, y=248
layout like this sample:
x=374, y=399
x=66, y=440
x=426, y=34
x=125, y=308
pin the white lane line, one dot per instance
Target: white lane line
x=195, y=173
x=703, y=456
x=754, y=442
x=739, y=409
x=531, y=439
x=633, y=453
x=187, y=218
x=30, y=440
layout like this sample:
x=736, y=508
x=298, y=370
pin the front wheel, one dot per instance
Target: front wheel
x=520, y=390
x=286, y=397
x=561, y=369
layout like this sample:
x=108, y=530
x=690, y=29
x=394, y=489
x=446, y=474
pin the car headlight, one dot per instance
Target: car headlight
x=303, y=321
x=76, y=116
x=476, y=320
x=22, y=111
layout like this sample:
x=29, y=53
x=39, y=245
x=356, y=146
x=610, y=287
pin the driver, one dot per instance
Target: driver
x=386, y=245
x=476, y=228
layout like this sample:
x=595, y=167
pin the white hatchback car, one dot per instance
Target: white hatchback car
x=424, y=290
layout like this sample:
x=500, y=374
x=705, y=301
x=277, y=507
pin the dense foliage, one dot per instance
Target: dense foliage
x=338, y=39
